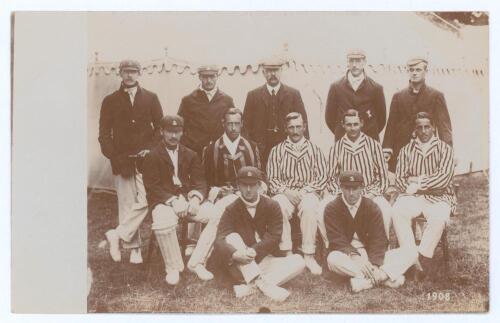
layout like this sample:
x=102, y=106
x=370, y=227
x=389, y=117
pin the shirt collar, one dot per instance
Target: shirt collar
x=172, y=150
x=354, y=143
x=228, y=142
x=412, y=90
x=296, y=144
x=355, y=81
x=424, y=146
x=352, y=208
x=211, y=93
x=276, y=88
x=251, y=204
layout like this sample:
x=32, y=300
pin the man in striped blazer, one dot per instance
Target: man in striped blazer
x=356, y=151
x=424, y=174
x=222, y=160
x=297, y=174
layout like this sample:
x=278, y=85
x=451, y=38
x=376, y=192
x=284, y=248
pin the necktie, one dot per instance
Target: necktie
x=274, y=124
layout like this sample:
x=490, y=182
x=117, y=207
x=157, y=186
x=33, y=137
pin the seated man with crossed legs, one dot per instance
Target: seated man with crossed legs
x=357, y=239
x=249, y=234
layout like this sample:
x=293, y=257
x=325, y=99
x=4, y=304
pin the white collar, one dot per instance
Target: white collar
x=424, y=146
x=172, y=150
x=231, y=145
x=353, y=209
x=276, y=88
x=211, y=93
x=355, y=81
x=298, y=143
x=251, y=204
x=354, y=143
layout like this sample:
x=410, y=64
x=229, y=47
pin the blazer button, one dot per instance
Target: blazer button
x=133, y=121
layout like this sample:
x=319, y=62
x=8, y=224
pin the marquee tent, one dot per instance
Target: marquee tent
x=459, y=68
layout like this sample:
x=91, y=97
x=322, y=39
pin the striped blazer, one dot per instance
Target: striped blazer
x=434, y=167
x=302, y=169
x=221, y=168
x=366, y=157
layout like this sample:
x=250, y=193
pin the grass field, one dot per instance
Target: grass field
x=122, y=287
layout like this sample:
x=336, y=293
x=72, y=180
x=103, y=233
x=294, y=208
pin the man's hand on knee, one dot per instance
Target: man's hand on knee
x=180, y=207
x=293, y=196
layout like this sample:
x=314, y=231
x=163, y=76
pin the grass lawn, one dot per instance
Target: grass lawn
x=122, y=287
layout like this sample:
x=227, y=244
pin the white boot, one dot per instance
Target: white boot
x=398, y=282
x=243, y=290
x=135, y=256
x=172, y=277
x=274, y=292
x=312, y=265
x=201, y=272
x=359, y=284
x=114, y=245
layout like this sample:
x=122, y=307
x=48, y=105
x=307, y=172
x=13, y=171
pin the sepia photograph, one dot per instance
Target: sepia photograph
x=288, y=162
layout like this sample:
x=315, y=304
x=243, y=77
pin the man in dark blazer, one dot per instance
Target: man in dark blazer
x=405, y=104
x=128, y=129
x=203, y=110
x=356, y=91
x=358, y=242
x=248, y=235
x=266, y=108
x=175, y=186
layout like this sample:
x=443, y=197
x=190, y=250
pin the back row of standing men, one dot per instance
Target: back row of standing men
x=275, y=139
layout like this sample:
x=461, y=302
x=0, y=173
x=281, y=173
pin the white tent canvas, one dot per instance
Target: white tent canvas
x=238, y=41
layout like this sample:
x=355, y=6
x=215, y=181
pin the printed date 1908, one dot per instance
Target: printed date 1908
x=438, y=296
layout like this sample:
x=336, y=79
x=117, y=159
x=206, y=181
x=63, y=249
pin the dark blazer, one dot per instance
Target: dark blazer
x=369, y=100
x=401, y=124
x=257, y=116
x=267, y=223
x=203, y=119
x=368, y=224
x=158, y=171
x=125, y=129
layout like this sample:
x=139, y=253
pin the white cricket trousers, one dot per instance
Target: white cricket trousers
x=274, y=270
x=206, y=240
x=306, y=211
x=132, y=209
x=164, y=226
x=396, y=262
x=437, y=215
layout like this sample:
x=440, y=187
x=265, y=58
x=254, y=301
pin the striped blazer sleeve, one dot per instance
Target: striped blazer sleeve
x=440, y=179
x=320, y=171
x=333, y=170
x=402, y=168
x=381, y=181
x=276, y=184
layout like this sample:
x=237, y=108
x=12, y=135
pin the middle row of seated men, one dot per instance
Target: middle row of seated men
x=341, y=196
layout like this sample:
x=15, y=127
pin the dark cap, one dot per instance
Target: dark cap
x=356, y=53
x=273, y=62
x=249, y=174
x=351, y=178
x=172, y=123
x=129, y=64
x=208, y=70
x=417, y=60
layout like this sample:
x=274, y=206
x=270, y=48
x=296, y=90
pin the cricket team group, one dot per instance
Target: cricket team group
x=244, y=174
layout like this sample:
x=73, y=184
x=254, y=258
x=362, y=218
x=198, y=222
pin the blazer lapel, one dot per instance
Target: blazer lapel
x=166, y=158
x=266, y=97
